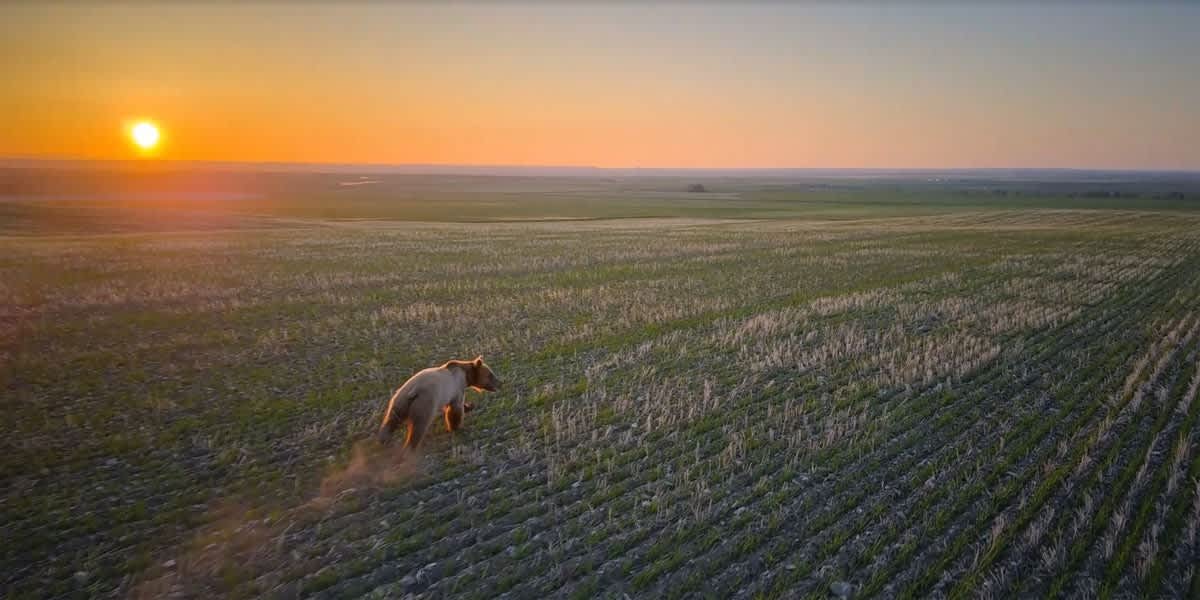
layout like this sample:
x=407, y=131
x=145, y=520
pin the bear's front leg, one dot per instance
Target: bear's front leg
x=454, y=414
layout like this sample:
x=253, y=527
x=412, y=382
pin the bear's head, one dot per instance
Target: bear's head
x=481, y=377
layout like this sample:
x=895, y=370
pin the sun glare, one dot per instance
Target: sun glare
x=145, y=135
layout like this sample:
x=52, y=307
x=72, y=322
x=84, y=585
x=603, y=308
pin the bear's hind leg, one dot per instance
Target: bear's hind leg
x=386, y=430
x=397, y=413
x=418, y=425
x=390, y=422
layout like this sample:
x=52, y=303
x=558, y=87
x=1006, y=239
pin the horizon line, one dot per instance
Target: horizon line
x=31, y=161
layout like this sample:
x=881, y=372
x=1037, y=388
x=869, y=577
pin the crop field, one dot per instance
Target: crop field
x=926, y=401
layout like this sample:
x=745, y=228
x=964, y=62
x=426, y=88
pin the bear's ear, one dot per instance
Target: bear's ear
x=479, y=360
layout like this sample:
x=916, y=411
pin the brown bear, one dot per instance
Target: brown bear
x=433, y=390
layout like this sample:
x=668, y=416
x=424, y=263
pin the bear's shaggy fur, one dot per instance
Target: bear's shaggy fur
x=433, y=390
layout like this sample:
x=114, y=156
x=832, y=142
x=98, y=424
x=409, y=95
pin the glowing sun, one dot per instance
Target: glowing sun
x=144, y=134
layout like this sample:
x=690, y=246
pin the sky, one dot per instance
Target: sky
x=610, y=84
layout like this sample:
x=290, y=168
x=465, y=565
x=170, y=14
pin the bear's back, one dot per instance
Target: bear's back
x=439, y=382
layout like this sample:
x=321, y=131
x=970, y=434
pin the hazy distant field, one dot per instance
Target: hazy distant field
x=73, y=201
x=762, y=390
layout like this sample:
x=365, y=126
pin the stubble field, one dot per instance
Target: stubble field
x=993, y=402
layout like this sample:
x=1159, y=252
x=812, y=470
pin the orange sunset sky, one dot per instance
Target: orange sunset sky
x=609, y=84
